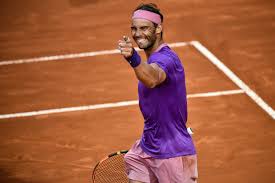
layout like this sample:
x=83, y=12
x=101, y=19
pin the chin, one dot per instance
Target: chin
x=143, y=46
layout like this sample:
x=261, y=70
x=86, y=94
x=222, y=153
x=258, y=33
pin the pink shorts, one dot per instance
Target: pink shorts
x=142, y=167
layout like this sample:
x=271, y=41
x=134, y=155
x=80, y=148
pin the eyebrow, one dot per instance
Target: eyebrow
x=139, y=26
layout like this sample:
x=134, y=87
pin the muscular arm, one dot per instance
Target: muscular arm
x=150, y=75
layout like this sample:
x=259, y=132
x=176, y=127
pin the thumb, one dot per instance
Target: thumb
x=126, y=38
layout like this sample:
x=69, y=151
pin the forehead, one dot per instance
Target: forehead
x=137, y=22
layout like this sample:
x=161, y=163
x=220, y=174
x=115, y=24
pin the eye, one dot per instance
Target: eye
x=143, y=28
x=133, y=28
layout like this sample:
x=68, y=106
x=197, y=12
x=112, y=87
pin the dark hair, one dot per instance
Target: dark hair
x=150, y=7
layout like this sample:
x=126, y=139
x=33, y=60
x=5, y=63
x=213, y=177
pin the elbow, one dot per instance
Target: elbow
x=150, y=84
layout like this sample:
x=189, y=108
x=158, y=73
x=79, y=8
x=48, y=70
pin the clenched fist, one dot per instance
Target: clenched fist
x=126, y=47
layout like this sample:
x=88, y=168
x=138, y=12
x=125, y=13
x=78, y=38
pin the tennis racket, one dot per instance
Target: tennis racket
x=111, y=169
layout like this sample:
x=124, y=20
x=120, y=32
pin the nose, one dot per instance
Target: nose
x=137, y=33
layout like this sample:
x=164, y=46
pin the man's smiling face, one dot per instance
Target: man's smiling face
x=144, y=33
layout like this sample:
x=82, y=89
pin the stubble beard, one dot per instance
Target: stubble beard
x=148, y=44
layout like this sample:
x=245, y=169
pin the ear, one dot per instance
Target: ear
x=159, y=29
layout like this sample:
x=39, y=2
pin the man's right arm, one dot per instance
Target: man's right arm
x=150, y=75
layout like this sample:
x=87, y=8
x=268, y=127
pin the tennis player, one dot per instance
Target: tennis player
x=165, y=153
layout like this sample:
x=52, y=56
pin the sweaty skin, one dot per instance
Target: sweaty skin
x=147, y=37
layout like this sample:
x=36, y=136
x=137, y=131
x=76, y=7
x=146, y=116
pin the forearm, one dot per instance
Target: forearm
x=147, y=74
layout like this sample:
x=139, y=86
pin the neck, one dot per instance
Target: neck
x=153, y=48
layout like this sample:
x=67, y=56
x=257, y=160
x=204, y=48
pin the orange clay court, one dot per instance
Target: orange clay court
x=70, y=105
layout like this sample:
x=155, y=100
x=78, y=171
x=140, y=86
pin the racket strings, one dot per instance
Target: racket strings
x=111, y=170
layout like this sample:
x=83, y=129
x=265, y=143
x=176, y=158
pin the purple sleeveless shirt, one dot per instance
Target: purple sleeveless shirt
x=164, y=109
